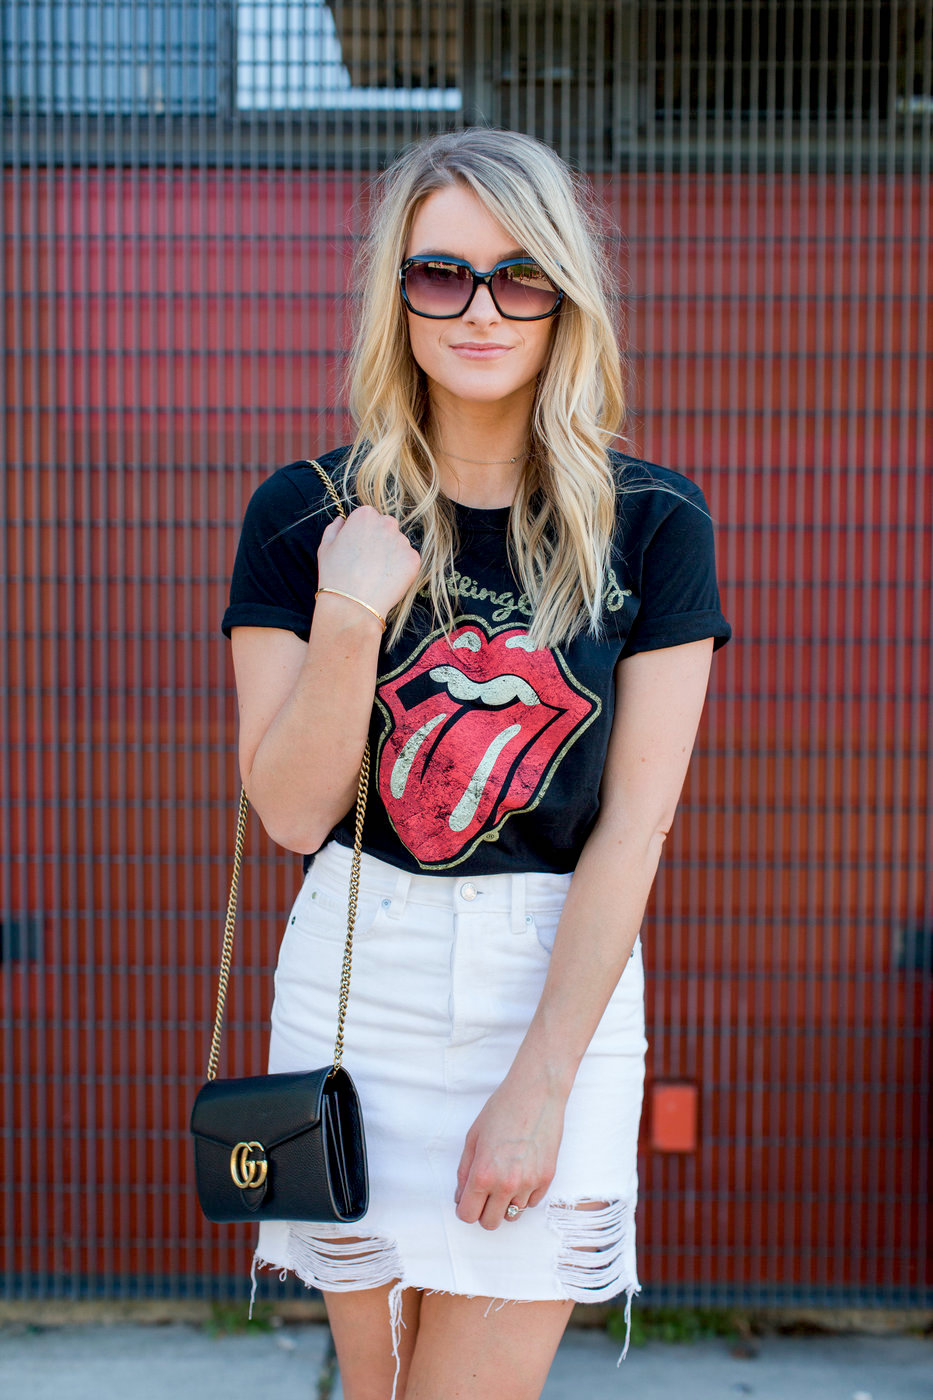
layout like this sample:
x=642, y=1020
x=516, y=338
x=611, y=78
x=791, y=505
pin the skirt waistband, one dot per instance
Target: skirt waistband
x=517, y=894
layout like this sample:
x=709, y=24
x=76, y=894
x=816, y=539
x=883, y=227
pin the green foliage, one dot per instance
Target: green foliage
x=676, y=1324
x=230, y=1319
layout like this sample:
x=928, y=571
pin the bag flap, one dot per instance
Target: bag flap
x=264, y=1108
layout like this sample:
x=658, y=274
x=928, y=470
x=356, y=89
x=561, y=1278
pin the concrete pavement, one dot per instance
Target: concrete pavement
x=130, y=1361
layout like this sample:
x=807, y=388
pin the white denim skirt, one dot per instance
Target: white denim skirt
x=447, y=973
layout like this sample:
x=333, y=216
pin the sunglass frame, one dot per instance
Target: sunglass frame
x=480, y=279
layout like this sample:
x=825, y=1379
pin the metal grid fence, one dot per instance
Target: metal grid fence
x=182, y=189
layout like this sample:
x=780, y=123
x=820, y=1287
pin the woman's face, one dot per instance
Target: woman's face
x=480, y=357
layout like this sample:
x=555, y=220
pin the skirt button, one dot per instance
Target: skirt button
x=468, y=891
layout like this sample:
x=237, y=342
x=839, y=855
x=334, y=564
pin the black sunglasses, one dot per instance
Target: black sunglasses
x=442, y=288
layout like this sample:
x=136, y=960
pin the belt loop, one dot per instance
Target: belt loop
x=518, y=903
x=400, y=894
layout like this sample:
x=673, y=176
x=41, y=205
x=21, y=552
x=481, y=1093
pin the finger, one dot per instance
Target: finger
x=493, y=1214
x=332, y=530
x=537, y=1196
x=366, y=517
x=465, y=1165
x=463, y=1174
x=471, y=1205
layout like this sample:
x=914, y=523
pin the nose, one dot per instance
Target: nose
x=482, y=307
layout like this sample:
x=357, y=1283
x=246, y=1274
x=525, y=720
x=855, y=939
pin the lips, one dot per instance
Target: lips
x=476, y=727
x=481, y=352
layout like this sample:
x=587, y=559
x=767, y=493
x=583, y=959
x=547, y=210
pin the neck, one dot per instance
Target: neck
x=489, y=435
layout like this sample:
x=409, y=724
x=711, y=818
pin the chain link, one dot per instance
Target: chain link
x=230, y=922
x=229, y=928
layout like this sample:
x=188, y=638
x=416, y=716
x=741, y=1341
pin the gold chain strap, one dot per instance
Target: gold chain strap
x=230, y=921
x=229, y=927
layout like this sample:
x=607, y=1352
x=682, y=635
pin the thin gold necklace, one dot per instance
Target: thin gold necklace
x=502, y=462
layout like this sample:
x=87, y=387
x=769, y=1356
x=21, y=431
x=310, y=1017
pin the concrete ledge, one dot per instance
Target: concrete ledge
x=62, y=1312
x=156, y=1312
x=874, y=1322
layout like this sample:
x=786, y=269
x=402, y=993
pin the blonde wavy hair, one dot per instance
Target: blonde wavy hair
x=563, y=517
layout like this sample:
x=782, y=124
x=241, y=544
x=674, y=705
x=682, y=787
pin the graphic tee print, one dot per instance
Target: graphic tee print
x=488, y=757
x=475, y=729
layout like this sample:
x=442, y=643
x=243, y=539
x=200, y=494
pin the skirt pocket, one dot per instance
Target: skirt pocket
x=543, y=923
x=622, y=1027
x=320, y=913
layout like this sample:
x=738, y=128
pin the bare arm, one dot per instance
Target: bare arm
x=511, y=1149
x=304, y=708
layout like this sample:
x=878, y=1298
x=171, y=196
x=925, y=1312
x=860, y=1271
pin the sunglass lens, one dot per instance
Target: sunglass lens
x=438, y=288
x=523, y=290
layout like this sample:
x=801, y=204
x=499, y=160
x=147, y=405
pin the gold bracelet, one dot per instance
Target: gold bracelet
x=353, y=599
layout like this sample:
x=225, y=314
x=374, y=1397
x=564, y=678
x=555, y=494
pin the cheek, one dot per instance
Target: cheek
x=538, y=344
x=423, y=341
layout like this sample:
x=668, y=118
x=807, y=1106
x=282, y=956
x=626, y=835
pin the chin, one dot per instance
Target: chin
x=483, y=389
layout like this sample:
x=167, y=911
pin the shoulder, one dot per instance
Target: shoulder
x=275, y=568
x=664, y=553
x=299, y=482
x=649, y=496
x=657, y=488
x=294, y=494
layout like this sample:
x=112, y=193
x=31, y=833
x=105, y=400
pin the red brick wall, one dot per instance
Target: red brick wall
x=171, y=338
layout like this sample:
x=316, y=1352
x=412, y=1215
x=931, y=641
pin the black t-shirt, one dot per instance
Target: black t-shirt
x=487, y=755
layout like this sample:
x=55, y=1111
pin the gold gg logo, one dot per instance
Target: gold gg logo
x=245, y=1169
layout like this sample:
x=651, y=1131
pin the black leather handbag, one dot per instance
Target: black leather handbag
x=283, y=1146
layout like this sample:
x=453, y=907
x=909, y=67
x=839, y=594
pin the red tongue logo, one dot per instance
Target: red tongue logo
x=476, y=727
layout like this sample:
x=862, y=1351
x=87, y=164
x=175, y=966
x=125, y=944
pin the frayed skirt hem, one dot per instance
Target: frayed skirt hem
x=400, y=1282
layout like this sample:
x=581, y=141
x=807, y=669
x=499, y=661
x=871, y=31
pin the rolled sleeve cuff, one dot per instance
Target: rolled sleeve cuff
x=265, y=615
x=676, y=630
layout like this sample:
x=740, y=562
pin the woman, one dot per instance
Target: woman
x=551, y=612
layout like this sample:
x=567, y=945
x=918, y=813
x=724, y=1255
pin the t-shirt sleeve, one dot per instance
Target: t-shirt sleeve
x=679, y=595
x=275, y=570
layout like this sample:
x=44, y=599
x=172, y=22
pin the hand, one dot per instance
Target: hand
x=510, y=1154
x=367, y=555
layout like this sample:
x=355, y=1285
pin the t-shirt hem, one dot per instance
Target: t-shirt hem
x=469, y=869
